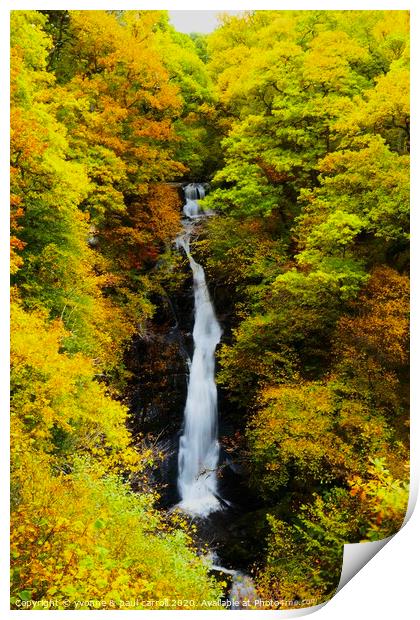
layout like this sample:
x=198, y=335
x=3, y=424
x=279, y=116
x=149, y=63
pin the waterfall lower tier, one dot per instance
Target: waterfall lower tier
x=198, y=455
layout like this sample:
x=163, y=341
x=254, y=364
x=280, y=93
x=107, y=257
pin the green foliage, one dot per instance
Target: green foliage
x=383, y=498
x=292, y=439
x=305, y=556
x=197, y=125
x=372, y=183
x=303, y=154
x=325, y=431
x=316, y=163
x=289, y=334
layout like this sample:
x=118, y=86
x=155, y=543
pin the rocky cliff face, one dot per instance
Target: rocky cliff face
x=156, y=393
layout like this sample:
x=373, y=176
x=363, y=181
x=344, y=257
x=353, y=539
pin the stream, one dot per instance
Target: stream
x=199, y=450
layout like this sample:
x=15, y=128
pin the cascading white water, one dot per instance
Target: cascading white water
x=194, y=192
x=242, y=591
x=198, y=455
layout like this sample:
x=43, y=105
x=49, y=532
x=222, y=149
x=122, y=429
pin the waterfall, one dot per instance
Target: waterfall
x=194, y=192
x=198, y=455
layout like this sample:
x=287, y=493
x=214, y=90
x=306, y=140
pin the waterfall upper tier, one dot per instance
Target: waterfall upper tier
x=194, y=192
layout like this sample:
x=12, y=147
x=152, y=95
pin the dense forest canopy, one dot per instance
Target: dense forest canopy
x=300, y=122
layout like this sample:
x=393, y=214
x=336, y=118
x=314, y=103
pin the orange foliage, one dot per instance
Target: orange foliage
x=380, y=327
x=148, y=224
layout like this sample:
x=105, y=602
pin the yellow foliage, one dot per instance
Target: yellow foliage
x=57, y=402
x=80, y=537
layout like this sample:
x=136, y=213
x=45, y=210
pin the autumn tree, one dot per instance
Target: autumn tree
x=92, y=113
